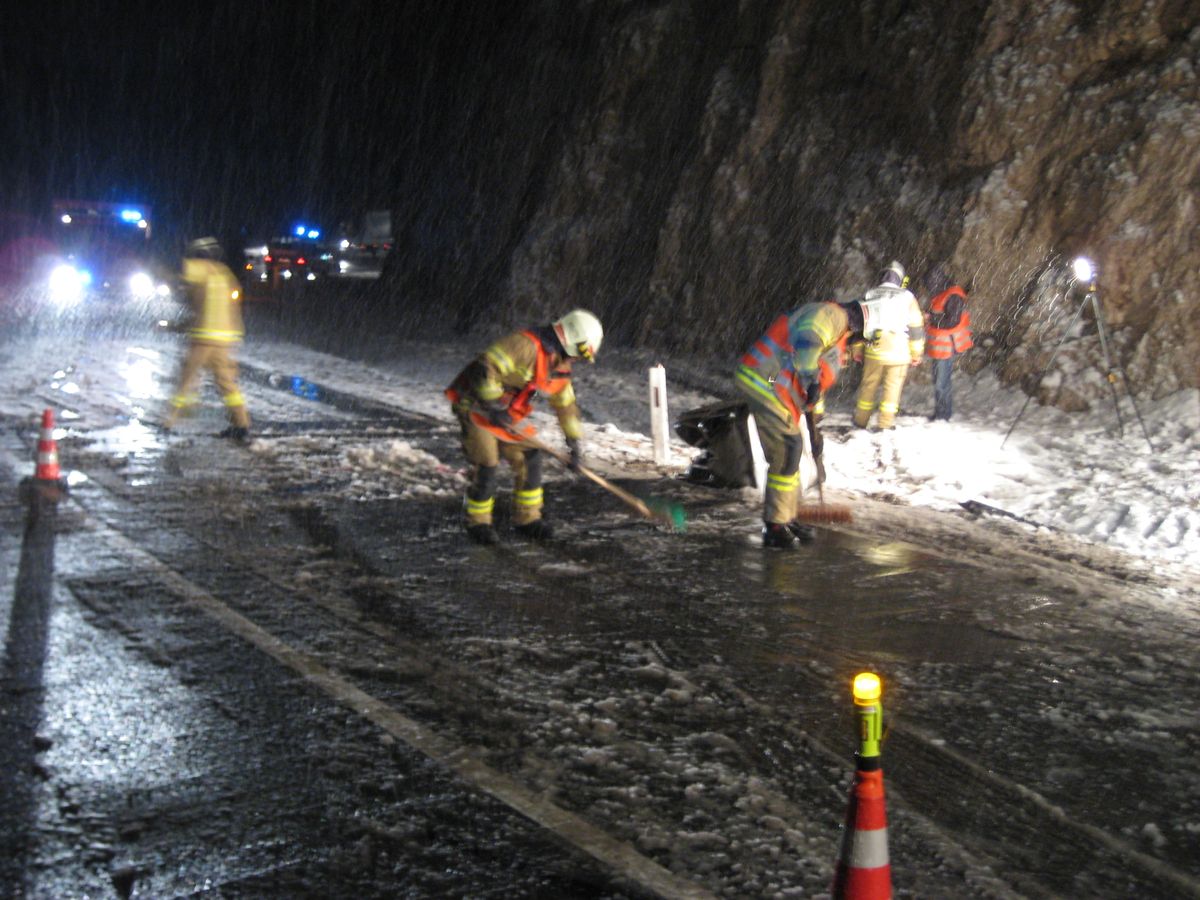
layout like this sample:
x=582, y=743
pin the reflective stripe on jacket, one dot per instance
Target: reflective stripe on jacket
x=215, y=297
x=943, y=343
x=508, y=374
x=788, y=356
x=901, y=338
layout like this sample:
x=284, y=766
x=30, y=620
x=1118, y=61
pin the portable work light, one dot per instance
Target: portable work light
x=1084, y=270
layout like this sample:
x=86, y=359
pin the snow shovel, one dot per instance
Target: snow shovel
x=671, y=514
x=821, y=513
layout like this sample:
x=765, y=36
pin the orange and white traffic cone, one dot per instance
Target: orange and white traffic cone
x=864, y=871
x=46, y=485
x=47, y=451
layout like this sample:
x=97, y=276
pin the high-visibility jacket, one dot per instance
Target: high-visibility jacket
x=215, y=297
x=509, y=374
x=945, y=337
x=894, y=327
x=788, y=357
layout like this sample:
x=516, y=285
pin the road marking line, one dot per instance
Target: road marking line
x=570, y=828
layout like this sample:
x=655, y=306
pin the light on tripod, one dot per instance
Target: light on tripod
x=1084, y=270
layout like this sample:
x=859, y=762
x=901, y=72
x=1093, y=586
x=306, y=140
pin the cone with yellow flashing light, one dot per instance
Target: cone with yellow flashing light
x=864, y=871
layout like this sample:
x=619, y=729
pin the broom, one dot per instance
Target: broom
x=670, y=514
x=822, y=513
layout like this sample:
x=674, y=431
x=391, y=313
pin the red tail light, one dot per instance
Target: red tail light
x=300, y=261
x=268, y=259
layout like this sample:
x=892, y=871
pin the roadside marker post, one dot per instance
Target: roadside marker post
x=659, y=421
x=864, y=870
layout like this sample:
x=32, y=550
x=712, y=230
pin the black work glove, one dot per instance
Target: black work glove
x=812, y=392
x=576, y=459
x=499, y=416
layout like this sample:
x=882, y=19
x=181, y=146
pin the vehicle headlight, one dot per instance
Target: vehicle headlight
x=141, y=285
x=67, y=283
x=163, y=290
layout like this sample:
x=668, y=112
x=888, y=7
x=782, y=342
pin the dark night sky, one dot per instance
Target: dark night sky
x=223, y=116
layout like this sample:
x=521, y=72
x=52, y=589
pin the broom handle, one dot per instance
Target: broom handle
x=624, y=496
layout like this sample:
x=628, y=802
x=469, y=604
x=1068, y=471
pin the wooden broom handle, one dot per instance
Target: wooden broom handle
x=621, y=494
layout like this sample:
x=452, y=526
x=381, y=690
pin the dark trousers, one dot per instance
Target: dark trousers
x=943, y=404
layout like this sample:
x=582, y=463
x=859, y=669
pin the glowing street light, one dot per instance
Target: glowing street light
x=1084, y=270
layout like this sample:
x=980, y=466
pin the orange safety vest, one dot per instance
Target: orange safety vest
x=518, y=402
x=943, y=343
x=780, y=343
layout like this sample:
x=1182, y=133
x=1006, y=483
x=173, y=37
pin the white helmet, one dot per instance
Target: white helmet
x=893, y=274
x=580, y=334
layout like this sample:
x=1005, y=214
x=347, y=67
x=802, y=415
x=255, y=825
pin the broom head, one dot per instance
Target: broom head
x=823, y=513
x=671, y=514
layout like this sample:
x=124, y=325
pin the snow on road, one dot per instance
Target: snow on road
x=1073, y=474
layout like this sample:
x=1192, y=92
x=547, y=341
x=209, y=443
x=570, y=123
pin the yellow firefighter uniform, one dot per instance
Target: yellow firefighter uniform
x=214, y=332
x=893, y=341
x=491, y=397
x=777, y=375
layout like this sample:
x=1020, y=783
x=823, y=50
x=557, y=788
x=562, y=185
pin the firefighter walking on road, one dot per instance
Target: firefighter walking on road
x=214, y=330
x=783, y=378
x=492, y=396
x=947, y=335
x=893, y=341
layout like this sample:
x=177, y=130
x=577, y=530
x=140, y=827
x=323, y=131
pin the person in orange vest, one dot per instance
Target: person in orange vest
x=492, y=396
x=214, y=330
x=947, y=334
x=893, y=341
x=783, y=377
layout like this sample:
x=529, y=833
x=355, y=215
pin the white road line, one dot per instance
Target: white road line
x=570, y=828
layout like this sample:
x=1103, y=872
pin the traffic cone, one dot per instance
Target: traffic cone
x=864, y=871
x=47, y=451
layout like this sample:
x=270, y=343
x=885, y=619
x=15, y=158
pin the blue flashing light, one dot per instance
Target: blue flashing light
x=131, y=215
x=314, y=233
x=300, y=229
x=85, y=277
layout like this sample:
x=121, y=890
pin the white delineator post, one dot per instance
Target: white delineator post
x=659, y=421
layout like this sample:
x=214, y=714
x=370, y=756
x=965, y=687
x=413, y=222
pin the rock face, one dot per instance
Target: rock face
x=687, y=170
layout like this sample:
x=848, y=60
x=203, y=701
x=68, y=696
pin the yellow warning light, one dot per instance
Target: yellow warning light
x=867, y=687
x=235, y=295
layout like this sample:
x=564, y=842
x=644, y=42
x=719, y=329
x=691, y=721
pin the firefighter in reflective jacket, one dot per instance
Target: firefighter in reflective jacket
x=783, y=379
x=947, y=334
x=492, y=396
x=214, y=330
x=894, y=341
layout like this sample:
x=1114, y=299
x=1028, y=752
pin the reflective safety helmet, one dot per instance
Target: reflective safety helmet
x=580, y=334
x=894, y=274
x=203, y=248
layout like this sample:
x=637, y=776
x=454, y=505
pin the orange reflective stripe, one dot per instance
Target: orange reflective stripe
x=515, y=436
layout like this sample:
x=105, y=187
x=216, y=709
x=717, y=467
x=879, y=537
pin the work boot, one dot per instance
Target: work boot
x=804, y=533
x=483, y=534
x=236, y=433
x=777, y=535
x=537, y=530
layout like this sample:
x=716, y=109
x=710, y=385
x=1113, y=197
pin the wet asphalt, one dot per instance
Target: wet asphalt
x=150, y=749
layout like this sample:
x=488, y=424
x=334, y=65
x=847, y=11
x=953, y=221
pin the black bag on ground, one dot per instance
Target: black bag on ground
x=718, y=429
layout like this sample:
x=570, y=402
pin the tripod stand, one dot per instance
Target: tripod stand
x=1094, y=298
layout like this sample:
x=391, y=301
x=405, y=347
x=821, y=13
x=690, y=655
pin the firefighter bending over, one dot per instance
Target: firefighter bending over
x=783, y=377
x=492, y=396
x=214, y=330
